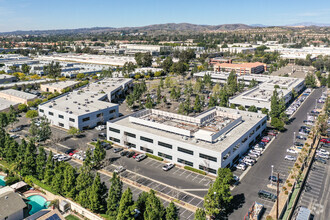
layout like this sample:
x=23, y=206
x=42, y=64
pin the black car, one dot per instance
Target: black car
x=300, y=137
x=69, y=151
x=273, y=179
x=298, y=144
x=130, y=154
x=267, y=195
x=124, y=153
x=94, y=139
x=118, y=149
x=321, y=160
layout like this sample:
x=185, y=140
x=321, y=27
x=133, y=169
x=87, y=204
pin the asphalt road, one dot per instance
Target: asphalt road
x=316, y=193
x=257, y=177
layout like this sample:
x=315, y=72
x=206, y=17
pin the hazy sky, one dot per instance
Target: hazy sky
x=58, y=14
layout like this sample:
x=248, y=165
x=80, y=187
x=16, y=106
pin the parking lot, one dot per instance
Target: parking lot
x=315, y=194
x=246, y=192
x=184, y=213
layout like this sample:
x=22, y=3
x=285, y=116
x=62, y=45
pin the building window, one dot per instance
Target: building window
x=164, y=145
x=258, y=128
x=99, y=115
x=264, y=122
x=252, y=133
x=41, y=110
x=128, y=144
x=115, y=139
x=85, y=119
x=207, y=157
x=129, y=134
x=146, y=139
x=112, y=111
x=61, y=116
x=245, y=139
x=186, y=162
x=236, y=147
x=61, y=124
x=146, y=150
x=50, y=113
x=226, y=156
x=114, y=130
x=165, y=155
x=71, y=119
x=185, y=151
x=207, y=169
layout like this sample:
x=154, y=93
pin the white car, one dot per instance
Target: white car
x=241, y=166
x=322, y=155
x=292, y=151
x=63, y=158
x=323, y=151
x=56, y=156
x=289, y=157
x=119, y=169
x=168, y=166
x=100, y=127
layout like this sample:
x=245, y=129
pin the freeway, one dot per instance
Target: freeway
x=257, y=177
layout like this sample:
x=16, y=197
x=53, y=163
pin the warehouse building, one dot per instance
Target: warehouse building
x=215, y=138
x=241, y=68
x=17, y=96
x=4, y=78
x=86, y=107
x=58, y=86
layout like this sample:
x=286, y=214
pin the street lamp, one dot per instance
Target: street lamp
x=294, y=137
x=271, y=176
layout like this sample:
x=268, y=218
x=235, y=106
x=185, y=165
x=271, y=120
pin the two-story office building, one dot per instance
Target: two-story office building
x=215, y=138
x=86, y=107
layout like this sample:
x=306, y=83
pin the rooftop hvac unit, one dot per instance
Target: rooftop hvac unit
x=50, y=106
x=67, y=108
x=74, y=101
x=70, y=112
x=87, y=110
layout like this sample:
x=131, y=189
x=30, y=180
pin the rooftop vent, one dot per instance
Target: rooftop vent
x=70, y=112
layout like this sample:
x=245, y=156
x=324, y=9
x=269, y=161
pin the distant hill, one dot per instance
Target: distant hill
x=308, y=24
x=177, y=27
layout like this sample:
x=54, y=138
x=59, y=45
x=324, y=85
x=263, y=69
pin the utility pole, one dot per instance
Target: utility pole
x=277, y=193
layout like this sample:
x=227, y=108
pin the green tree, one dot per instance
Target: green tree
x=41, y=163
x=89, y=158
x=96, y=198
x=44, y=131
x=198, y=105
x=80, y=76
x=26, y=68
x=57, y=180
x=159, y=94
x=69, y=181
x=172, y=212
x=167, y=64
x=264, y=111
x=161, y=83
x=253, y=83
x=212, y=101
x=154, y=207
x=233, y=106
x=53, y=70
x=200, y=214
x=74, y=131
x=22, y=107
x=141, y=203
x=219, y=196
x=252, y=108
x=99, y=153
x=29, y=162
x=168, y=82
x=31, y=114
x=242, y=108
x=126, y=206
x=114, y=196
x=49, y=169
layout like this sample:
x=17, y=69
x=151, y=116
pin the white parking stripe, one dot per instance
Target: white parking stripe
x=183, y=173
x=177, y=169
x=201, y=180
x=199, y=203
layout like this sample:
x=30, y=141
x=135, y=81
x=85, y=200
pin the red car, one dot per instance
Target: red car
x=73, y=152
x=135, y=155
x=325, y=140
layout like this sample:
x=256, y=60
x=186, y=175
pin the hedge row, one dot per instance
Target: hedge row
x=195, y=170
x=154, y=157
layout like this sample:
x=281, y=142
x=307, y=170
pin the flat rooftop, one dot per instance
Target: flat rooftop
x=4, y=104
x=5, y=76
x=93, y=97
x=215, y=129
x=19, y=94
x=62, y=84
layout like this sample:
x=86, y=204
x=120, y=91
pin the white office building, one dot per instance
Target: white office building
x=215, y=138
x=86, y=107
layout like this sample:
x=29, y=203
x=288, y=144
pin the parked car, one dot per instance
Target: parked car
x=123, y=153
x=102, y=135
x=63, y=158
x=323, y=151
x=325, y=140
x=72, y=153
x=119, y=169
x=300, y=137
x=318, y=159
x=130, y=154
x=19, y=128
x=168, y=166
x=14, y=136
x=100, y=127
x=255, y=156
x=56, y=156
x=135, y=155
x=267, y=195
x=292, y=151
x=289, y=157
x=118, y=149
x=140, y=157
x=94, y=139
x=273, y=179
x=241, y=166
x=298, y=144
x=323, y=156
x=326, y=145
x=69, y=151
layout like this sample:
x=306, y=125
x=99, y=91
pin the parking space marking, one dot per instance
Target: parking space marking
x=183, y=173
x=177, y=169
x=201, y=180
x=199, y=203
x=188, y=175
x=189, y=217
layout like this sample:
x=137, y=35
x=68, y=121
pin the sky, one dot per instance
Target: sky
x=64, y=14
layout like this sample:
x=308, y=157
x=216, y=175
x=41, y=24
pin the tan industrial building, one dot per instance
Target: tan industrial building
x=241, y=68
x=58, y=86
x=17, y=96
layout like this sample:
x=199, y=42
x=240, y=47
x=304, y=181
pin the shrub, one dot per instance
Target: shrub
x=287, y=181
x=286, y=192
x=10, y=180
x=154, y=157
x=269, y=217
x=195, y=170
x=284, y=188
x=293, y=176
x=290, y=184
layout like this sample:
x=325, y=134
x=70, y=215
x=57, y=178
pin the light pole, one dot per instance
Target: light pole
x=271, y=176
x=294, y=137
x=315, y=103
